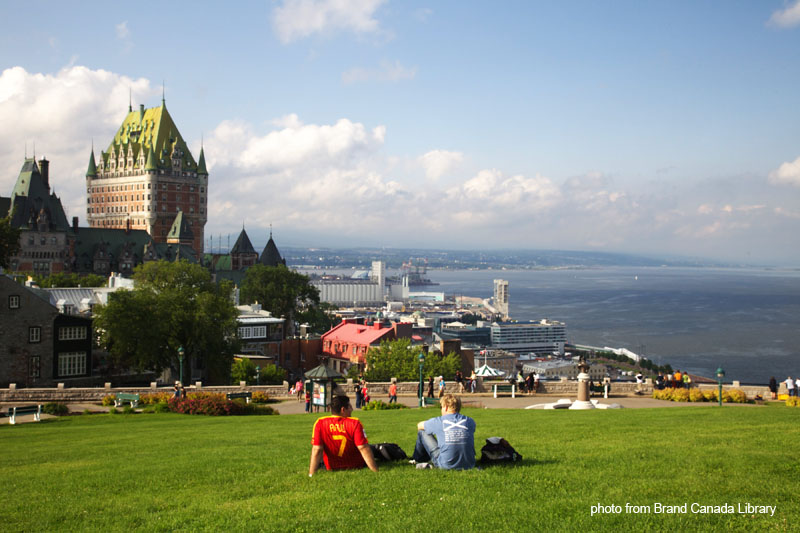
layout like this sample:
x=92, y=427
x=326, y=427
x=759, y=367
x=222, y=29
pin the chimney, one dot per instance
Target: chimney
x=75, y=224
x=44, y=170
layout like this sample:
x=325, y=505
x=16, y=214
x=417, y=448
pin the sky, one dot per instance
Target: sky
x=667, y=128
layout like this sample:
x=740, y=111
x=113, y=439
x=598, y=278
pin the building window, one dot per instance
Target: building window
x=35, y=367
x=71, y=364
x=34, y=334
x=13, y=301
x=71, y=333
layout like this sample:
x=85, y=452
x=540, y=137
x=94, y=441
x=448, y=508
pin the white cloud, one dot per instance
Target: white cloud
x=296, y=19
x=437, y=163
x=786, y=174
x=787, y=17
x=122, y=30
x=60, y=113
x=386, y=72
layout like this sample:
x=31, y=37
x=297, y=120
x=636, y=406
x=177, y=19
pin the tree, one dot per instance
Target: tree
x=173, y=305
x=319, y=318
x=9, y=241
x=399, y=359
x=281, y=291
x=243, y=370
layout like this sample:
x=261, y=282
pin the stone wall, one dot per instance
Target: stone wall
x=377, y=390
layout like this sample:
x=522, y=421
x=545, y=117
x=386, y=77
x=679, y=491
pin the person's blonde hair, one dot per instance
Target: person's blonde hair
x=451, y=402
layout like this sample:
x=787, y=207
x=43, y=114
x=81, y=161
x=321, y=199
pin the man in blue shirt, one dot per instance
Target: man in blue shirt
x=447, y=441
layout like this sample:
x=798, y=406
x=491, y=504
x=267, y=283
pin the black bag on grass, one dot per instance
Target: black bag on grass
x=498, y=450
x=388, y=451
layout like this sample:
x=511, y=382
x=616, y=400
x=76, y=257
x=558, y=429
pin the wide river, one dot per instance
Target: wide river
x=695, y=319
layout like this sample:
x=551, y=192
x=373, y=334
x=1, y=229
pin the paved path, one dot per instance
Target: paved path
x=486, y=401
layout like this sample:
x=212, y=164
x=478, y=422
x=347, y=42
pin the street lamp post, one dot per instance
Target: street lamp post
x=421, y=363
x=720, y=375
x=180, y=360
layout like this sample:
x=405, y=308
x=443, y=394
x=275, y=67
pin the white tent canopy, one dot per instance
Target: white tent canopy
x=488, y=372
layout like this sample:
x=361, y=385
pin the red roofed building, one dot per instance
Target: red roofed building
x=347, y=343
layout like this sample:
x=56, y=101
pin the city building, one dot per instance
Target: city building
x=348, y=342
x=260, y=333
x=355, y=292
x=538, y=336
x=40, y=346
x=146, y=178
x=500, y=300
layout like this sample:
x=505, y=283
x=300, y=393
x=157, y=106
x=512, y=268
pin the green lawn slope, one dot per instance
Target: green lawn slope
x=168, y=472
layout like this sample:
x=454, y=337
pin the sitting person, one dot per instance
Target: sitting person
x=340, y=440
x=446, y=441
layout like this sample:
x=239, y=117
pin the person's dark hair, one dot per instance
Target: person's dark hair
x=338, y=403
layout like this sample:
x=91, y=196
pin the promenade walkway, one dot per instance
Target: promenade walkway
x=483, y=400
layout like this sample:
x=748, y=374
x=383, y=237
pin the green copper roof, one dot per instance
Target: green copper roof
x=201, y=163
x=151, y=160
x=91, y=172
x=180, y=229
x=151, y=129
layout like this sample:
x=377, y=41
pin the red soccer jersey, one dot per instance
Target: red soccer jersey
x=340, y=438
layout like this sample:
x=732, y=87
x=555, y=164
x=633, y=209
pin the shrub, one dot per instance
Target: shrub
x=260, y=397
x=792, y=401
x=696, y=395
x=152, y=398
x=149, y=409
x=737, y=396
x=108, y=400
x=87, y=412
x=128, y=410
x=54, y=408
x=710, y=395
x=203, y=403
x=161, y=407
x=680, y=395
x=380, y=405
x=113, y=411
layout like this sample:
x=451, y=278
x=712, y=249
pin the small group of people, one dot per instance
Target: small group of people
x=676, y=380
x=340, y=442
x=362, y=393
x=528, y=385
x=792, y=387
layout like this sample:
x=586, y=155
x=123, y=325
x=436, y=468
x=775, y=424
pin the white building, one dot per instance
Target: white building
x=349, y=292
x=500, y=301
x=539, y=336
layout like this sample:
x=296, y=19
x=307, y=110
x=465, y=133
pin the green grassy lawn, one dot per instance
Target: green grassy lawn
x=168, y=472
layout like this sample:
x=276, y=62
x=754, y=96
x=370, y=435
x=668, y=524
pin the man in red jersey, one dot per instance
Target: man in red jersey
x=340, y=439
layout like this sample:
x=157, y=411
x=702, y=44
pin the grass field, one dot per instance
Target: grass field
x=168, y=472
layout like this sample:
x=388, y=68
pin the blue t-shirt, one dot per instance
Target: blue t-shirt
x=455, y=434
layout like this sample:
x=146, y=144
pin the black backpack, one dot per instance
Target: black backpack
x=388, y=451
x=498, y=450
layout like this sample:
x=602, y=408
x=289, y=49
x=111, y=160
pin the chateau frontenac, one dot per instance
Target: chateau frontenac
x=146, y=179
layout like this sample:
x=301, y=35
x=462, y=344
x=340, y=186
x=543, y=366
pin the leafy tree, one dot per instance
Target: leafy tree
x=272, y=375
x=399, y=359
x=9, y=241
x=281, y=291
x=243, y=370
x=173, y=304
x=320, y=317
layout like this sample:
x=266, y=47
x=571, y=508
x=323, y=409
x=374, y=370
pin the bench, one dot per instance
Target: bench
x=35, y=410
x=505, y=388
x=246, y=395
x=123, y=397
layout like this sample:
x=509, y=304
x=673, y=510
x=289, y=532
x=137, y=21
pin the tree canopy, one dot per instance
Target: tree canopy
x=62, y=279
x=173, y=305
x=9, y=241
x=399, y=359
x=284, y=293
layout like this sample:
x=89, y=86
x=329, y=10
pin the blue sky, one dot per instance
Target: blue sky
x=642, y=127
